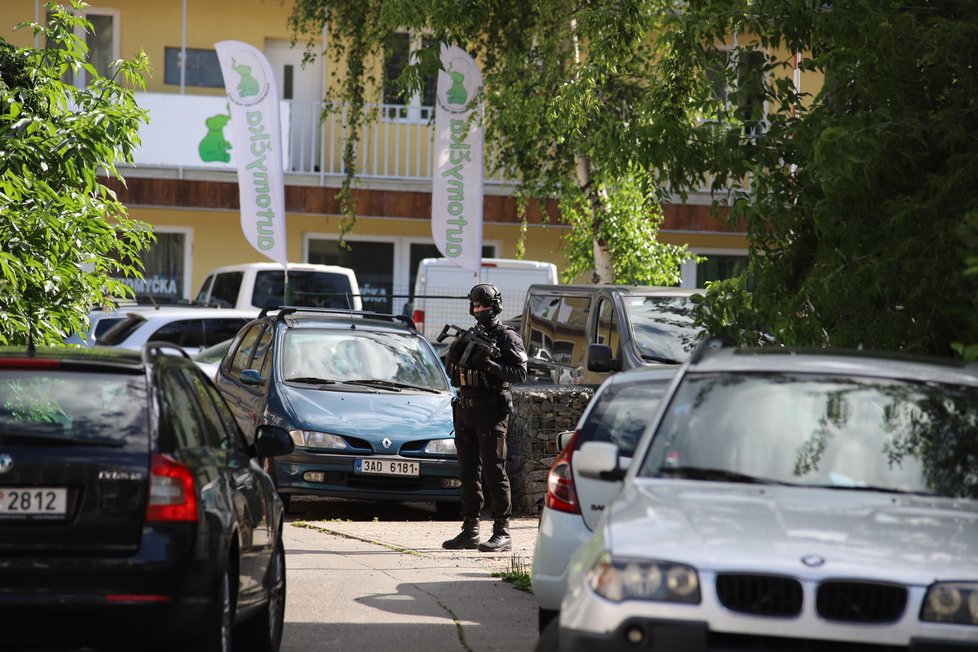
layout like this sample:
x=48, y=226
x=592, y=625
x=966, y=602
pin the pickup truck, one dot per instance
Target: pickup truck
x=581, y=334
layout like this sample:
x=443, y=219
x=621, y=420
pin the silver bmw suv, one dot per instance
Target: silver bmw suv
x=788, y=500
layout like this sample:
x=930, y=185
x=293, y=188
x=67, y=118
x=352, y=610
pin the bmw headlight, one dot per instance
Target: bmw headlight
x=662, y=581
x=313, y=439
x=951, y=602
x=440, y=447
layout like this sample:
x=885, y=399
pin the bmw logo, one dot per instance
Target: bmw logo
x=813, y=561
x=6, y=462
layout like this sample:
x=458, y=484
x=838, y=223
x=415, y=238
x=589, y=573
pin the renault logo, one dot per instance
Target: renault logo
x=387, y=442
x=6, y=462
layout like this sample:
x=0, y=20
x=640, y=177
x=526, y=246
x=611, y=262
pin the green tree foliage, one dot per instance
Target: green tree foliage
x=569, y=109
x=858, y=198
x=63, y=235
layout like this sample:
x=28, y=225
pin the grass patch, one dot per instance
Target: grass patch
x=518, y=574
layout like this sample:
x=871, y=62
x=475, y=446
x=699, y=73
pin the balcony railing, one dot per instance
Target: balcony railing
x=190, y=132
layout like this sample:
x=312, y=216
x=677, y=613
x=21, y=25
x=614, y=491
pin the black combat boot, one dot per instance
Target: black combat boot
x=499, y=541
x=467, y=539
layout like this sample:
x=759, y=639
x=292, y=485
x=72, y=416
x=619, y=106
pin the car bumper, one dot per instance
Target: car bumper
x=298, y=474
x=558, y=536
x=161, y=592
x=688, y=636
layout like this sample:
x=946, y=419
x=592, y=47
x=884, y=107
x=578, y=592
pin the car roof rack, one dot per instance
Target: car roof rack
x=711, y=344
x=285, y=311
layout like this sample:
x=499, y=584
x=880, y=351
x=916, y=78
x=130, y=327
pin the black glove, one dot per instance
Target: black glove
x=478, y=361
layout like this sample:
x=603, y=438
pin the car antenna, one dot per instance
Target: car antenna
x=349, y=306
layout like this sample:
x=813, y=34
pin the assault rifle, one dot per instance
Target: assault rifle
x=476, y=340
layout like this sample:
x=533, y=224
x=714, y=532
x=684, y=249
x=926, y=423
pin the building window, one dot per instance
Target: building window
x=399, y=47
x=201, y=68
x=740, y=87
x=717, y=268
x=164, y=270
x=102, y=42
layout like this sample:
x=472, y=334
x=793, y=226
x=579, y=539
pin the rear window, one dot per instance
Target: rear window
x=227, y=285
x=314, y=289
x=52, y=406
x=120, y=331
x=621, y=413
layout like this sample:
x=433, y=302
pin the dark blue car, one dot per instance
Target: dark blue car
x=363, y=395
x=132, y=510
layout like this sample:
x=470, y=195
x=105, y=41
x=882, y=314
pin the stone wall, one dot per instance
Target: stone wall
x=540, y=413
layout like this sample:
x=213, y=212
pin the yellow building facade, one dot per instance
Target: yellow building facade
x=186, y=188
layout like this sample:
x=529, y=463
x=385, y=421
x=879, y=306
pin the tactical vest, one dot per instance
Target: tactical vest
x=473, y=381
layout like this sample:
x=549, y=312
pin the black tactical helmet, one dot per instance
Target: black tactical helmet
x=486, y=294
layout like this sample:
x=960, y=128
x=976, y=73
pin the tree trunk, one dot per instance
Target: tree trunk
x=604, y=267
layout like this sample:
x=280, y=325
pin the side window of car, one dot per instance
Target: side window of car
x=181, y=426
x=218, y=330
x=212, y=426
x=224, y=292
x=246, y=349
x=233, y=437
x=183, y=332
x=570, y=330
x=264, y=353
x=540, y=326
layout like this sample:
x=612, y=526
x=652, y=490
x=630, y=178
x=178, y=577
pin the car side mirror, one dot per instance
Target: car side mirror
x=272, y=440
x=252, y=377
x=599, y=358
x=598, y=460
x=563, y=438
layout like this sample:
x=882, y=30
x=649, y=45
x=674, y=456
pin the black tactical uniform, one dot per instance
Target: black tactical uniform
x=482, y=411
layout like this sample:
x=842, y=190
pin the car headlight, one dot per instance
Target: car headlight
x=951, y=602
x=440, y=447
x=313, y=439
x=662, y=581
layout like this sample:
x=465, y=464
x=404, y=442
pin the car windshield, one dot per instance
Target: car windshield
x=62, y=407
x=359, y=355
x=823, y=430
x=621, y=412
x=663, y=327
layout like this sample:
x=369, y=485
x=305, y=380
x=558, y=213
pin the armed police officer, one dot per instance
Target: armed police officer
x=482, y=364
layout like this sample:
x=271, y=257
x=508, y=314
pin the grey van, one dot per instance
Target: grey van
x=581, y=334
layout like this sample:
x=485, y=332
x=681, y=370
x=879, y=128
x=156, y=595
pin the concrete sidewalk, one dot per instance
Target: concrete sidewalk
x=425, y=538
x=363, y=586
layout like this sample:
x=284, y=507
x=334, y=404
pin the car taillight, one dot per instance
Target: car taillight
x=172, y=495
x=29, y=363
x=418, y=318
x=561, y=493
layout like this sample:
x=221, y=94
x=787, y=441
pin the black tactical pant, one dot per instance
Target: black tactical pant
x=480, y=441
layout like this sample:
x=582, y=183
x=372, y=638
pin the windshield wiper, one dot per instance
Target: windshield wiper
x=872, y=488
x=719, y=475
x=382, y=384
x=312, y=380
x=658, y=358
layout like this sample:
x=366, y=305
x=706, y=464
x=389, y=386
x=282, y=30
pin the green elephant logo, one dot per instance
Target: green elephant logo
x=457, y=93
x=213, y=146
x=248, y=86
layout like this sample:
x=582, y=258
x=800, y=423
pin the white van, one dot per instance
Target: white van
x=257, y=285
x=441, y=290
